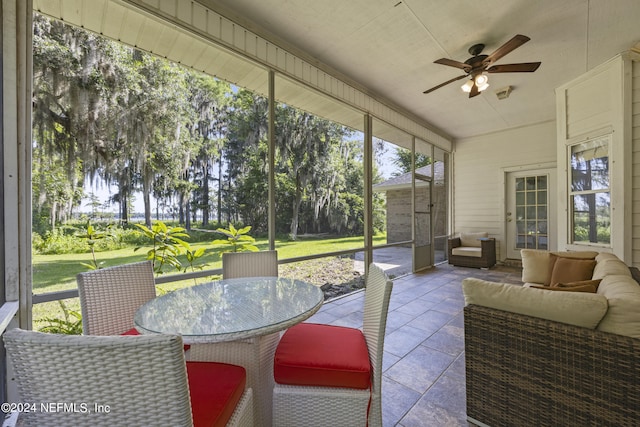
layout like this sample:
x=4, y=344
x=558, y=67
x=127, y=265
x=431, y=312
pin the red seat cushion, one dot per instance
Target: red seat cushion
x=134, y=331
x=215, y=389
x=323, y=355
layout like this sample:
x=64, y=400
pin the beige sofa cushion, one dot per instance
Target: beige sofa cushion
x=577, y=254
x=467, y=251
x=606, y=255
x=623, y=315
x=535, y=265
x=472, y=239
x=575, y=308
x=610, y=267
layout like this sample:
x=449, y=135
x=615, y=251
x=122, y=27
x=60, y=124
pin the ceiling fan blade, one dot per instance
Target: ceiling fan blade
x=474, y=90
x=512, y=44
x=452, y=63
x=525, y=67
x=444, y=84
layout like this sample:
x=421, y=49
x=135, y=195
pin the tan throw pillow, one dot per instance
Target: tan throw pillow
x=472, y=239
x=553, y=257
x=580, y=288
x=592, y=282
x=535, y=264
x=566, y=270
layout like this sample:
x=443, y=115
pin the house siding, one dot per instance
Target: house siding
x=635, y=138
x=479, y=167
x=398, y=216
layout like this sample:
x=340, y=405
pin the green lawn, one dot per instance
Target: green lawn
x=58, y=272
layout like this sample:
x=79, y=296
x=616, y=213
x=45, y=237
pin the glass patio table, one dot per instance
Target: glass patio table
x=234, y=321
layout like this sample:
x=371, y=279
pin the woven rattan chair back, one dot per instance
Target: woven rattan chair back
x=96, y=381
x=376, y=307
x=249, y=264
x=314, y=406
x=110, y=297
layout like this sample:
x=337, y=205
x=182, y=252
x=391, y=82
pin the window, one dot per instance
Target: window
x=590, y=194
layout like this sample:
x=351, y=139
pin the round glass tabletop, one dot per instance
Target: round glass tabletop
x=230, y=309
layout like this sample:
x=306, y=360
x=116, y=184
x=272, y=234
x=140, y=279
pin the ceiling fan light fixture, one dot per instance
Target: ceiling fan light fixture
x=483, y=87
x=466, y=88
x=482, y=80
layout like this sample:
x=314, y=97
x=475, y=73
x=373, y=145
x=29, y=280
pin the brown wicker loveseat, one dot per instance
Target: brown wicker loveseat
x=527, y=371
x=539, y=357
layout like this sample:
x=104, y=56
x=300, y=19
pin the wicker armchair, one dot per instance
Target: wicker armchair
x=523, y=370
x=319, y=397
x=249, y=264
x=110, y=297
x=121, y=381
x=472, y=250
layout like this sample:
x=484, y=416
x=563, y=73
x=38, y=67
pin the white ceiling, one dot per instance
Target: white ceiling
x=388, y=46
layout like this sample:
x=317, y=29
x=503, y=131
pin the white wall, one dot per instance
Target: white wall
x=635, y=124
x=599, y=104
x=479, y=167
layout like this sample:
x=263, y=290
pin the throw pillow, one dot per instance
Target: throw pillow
x=553, y=256
x=594, y=282
x=566, y=270
x=580, y=288
x=472, y=239
x=535, y=264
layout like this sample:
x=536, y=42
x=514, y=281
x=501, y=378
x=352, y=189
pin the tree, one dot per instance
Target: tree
x=402, y=160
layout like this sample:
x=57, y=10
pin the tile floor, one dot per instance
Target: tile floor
x=423, y=364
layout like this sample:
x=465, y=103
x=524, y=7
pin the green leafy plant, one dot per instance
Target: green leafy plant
x=237, y=240
x=93, y=236
x=168, y=244
x=70, y=325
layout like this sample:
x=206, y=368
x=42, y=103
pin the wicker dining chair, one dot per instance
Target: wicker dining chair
x=93, y=381
x=110, y=297
x=330, y=375
x=249, y=264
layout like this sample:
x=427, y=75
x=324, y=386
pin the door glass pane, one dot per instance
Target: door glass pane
x=531, y=212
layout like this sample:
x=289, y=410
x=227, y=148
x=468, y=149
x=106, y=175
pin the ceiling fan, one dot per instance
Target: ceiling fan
x=476, y=66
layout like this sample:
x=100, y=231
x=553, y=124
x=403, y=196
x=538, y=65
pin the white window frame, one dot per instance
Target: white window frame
x=606, y=139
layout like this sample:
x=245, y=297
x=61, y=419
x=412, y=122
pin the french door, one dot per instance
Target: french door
x=530, y=211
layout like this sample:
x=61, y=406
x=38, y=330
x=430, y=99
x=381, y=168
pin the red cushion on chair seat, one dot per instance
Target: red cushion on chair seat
x=323, y=355
x=215, y=390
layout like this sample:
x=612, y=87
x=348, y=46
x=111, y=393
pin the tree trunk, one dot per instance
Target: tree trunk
x=187, y=214
x=205, y=194
x=297, y=201
x=146, y=191
x=54, y=207
x=219, y=216
x=124, y=207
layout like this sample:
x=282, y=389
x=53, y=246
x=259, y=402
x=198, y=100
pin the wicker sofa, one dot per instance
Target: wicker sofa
x=472, y=250
x=540, y=357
